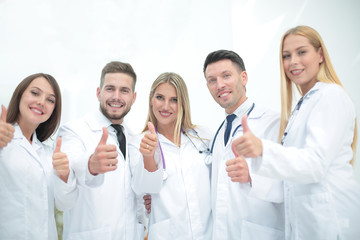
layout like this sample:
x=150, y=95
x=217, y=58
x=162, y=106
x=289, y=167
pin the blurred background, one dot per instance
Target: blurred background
x=73, y=40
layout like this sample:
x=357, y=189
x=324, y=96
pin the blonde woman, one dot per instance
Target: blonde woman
x=179, y=181
x=318, y=140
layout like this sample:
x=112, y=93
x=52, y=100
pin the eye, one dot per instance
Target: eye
x=285, y=56
x=174, y=100
x=125, y=90
x=51, y=100
x=302, y=52
x=109, y=89
x=159, y=97
x=227, y=75
x=211, y=80
x=34, y=93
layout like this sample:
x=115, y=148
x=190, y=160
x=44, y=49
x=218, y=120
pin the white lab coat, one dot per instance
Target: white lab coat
x=180, y=206
x=26, y=193
x=242, y=211
x=322, y=198
x=102, y=207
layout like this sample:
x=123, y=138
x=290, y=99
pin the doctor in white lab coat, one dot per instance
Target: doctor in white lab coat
x=321, y=194
x=179, y=181
x=97, y=198
x=26, y=190
x=245, y=205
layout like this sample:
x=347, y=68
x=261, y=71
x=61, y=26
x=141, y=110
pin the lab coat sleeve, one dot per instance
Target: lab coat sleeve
x=329, y=121
x=65, y=194
x=142, y=180
x=79, y=156
x=265, y=188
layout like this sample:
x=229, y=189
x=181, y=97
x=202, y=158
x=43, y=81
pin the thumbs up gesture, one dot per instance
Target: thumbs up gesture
x=6, y=129
x=248, y=145
x=148, y=146
x=238, y=170
x=60, y=162
x=104, y=159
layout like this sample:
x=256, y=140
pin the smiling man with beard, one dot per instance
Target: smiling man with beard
x=97, y=198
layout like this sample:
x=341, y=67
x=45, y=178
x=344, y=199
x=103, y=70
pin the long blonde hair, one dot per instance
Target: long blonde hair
x=183, y=119
x=326, y=74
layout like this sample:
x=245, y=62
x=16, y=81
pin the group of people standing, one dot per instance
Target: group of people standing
x=260, y=176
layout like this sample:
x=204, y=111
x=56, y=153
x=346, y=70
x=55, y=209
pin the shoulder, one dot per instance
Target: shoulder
x=264, y=113
x=333, y=94
x=77, y=125
x=204, y=132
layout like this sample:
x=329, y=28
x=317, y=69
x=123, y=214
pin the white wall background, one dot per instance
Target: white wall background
x=73, y=39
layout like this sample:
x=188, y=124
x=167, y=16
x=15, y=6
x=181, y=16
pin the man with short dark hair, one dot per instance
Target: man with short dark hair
x=245, y=206
x=97, y=198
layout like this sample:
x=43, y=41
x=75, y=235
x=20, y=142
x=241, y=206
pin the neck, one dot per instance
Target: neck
x=27, y=130
x=167, y=131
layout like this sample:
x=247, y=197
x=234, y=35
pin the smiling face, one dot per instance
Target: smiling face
x=116, y=96
x=301, y=61
x=164, y=104
x=226, y=83
x=36, y=104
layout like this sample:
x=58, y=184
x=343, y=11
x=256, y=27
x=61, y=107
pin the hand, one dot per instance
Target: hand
x=104, y=158
x=149, y=142
x=147, y=148
x=6, y=129
x=60, y=162
x=248, y=145
x=238, y=170
x=147, y=203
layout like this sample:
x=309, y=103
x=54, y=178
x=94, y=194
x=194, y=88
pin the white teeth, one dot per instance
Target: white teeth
x=37, y=111
x=224, y=94
x=115, y=105
x=165, y=114
x=296, y=71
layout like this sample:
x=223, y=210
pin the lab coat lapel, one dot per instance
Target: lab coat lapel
x=25, y=144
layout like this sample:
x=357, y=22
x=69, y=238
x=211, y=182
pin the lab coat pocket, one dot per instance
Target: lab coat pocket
x=254, y=231
x=160, y=230
x=315, y=216
x=98, y=234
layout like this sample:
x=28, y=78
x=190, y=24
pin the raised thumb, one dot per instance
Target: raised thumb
x=3, y=113
x=151, y=127
x=104, y=136
x=244, y=124
x=58, y=145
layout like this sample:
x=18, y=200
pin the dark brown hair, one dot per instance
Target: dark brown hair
x=47, y=128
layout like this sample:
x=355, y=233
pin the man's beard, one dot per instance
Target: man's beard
x=114, y=116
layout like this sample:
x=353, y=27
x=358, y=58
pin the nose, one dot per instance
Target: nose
x=294, y=59
x=166, y=105
x=220, y=83
x=41, y=101
x=117, y=94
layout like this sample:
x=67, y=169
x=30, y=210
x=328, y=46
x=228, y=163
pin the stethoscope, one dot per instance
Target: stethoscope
x=217, y=132
x=295, y=112
x=205, y=151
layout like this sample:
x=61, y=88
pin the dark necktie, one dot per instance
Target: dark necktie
x=229, y=120
x=121, y=138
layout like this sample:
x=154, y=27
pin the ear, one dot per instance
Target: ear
x=134, y=98
x=98, y=91
x=244, y=78
x=321, y=55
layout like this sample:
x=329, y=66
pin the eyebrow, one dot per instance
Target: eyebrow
x=296, y=48
x=52, y=95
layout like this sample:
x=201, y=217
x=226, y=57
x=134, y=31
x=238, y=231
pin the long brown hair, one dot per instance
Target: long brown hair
x=47, y=128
